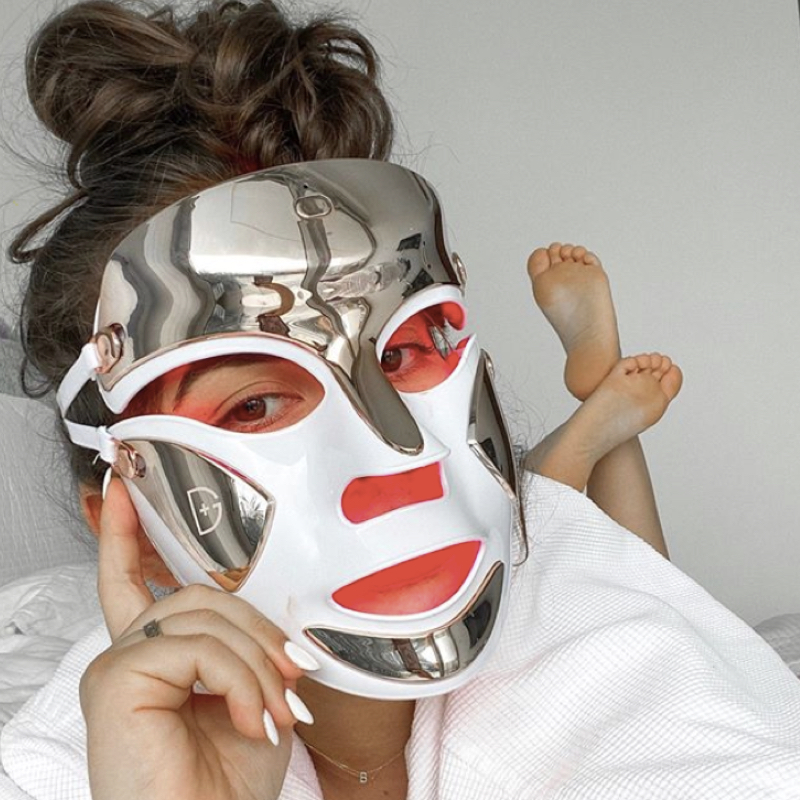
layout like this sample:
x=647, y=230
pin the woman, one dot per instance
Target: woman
x=276, y=367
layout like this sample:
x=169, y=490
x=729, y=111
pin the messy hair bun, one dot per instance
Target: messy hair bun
x=152, y=107
x=236, y=82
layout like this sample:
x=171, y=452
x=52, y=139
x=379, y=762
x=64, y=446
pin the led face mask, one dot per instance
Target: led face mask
x=304, y=421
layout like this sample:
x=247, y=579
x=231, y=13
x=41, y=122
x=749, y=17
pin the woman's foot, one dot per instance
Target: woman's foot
x=631, y=398
x=571, y=288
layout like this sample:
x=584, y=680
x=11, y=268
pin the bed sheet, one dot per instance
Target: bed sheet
x=41, y=617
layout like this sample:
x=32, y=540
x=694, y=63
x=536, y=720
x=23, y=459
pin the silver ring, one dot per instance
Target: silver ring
x=152, y=629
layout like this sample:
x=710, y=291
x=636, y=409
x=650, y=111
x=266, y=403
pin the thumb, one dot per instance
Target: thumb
x=121, y=584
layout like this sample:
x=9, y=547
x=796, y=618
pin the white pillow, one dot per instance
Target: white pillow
x=783, y=635
x=40, y=525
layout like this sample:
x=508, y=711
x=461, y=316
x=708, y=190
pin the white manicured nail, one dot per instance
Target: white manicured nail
x=300, y=658
x=271, y=730
x=298, y=708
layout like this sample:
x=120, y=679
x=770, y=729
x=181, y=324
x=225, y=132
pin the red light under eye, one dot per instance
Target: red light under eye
x=369, y=497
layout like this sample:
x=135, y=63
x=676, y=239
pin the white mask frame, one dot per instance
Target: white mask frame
x=426, y=653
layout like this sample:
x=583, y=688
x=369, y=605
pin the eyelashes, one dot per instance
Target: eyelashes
x=393, y=357
x=260, y=411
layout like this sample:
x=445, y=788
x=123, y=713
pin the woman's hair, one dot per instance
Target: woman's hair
x=152, y=107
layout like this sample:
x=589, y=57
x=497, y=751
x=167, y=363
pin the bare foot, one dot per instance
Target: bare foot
x=630, y=399
x=571, y=288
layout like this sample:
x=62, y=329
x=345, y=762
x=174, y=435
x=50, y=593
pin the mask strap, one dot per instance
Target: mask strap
x=85, y=369
x=79, y=374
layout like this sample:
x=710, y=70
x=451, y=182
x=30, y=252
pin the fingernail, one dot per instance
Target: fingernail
x=299, y=657
x=198, y=688
x=298, y=708
x=270, y=729
x=106, y=481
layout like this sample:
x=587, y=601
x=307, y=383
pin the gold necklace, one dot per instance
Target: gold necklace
x=363, y=775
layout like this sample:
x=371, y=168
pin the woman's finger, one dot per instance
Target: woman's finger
x=121, y=582
x=208, y=622
x=164, y=670
x=236, y=611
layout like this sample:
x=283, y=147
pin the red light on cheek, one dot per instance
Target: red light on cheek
x=369, y=497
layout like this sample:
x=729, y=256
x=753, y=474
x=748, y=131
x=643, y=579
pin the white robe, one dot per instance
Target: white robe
x=616, y=677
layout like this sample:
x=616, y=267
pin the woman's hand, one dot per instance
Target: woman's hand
x=149, y=734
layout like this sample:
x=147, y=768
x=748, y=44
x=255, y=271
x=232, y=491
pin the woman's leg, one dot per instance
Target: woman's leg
x=598, y=449
x=572, y=289
x=620, y=484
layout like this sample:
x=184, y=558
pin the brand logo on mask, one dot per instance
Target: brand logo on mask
x=206, y=509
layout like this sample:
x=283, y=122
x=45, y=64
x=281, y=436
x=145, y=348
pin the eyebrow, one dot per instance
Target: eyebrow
x=202, y=369
x=191, y=378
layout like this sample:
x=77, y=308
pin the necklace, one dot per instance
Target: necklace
x=363, y=775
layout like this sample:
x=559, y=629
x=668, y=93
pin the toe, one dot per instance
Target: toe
x=591, y=258
x=672, y=381
x=664, y=366
x=628, y=364
x=566, y=252
x=538, y=261
x=555, y=253
x=579, y=253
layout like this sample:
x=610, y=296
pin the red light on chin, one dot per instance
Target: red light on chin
x=414, y=586
x=369, y=497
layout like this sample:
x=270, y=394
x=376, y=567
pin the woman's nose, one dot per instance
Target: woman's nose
x=369, y=497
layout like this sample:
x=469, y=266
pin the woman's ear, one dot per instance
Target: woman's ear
x=91, y=505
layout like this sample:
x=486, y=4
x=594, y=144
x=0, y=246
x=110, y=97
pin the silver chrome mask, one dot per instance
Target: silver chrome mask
x=319, y=264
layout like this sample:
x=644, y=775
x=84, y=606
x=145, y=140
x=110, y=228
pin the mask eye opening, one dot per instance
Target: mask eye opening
x=243, y=392
x=425, y=348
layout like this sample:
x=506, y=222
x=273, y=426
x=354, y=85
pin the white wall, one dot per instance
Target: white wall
x=666, y=136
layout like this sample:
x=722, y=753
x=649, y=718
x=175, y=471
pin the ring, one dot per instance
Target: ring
x=152, y=629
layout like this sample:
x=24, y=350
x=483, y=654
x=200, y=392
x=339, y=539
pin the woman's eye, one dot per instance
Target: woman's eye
x=243, y=393
x=407, y=358
x=255, y=408
x=258, y=412
x=391, y=360
x=423, y=351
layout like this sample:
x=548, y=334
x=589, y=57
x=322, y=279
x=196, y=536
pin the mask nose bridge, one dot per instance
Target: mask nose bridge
x=383, y=404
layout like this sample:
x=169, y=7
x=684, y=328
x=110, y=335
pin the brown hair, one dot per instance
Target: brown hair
x=152, y=108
